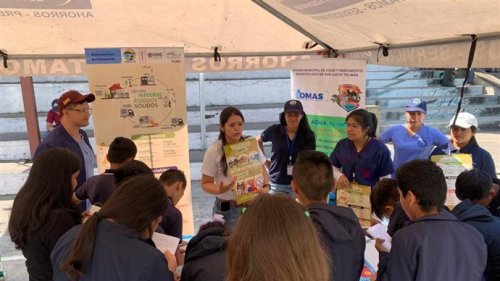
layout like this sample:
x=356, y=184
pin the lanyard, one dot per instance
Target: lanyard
x=290, y=144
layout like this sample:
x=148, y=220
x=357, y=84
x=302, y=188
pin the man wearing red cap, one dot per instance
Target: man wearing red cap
x=75, y=113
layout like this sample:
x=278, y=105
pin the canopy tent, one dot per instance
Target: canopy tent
x=422, y=33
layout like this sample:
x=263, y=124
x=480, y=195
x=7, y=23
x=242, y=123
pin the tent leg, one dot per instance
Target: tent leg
x=30, y=112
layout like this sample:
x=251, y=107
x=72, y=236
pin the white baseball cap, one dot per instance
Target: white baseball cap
x=464, y=120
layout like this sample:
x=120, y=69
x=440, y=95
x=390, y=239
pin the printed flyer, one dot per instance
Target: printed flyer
x=358, y=199
x=141, y=94
x=329, y=89
x=244, y=162
x=452, y=165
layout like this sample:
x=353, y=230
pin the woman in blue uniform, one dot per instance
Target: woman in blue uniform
x=288, y=138
x=360, y=157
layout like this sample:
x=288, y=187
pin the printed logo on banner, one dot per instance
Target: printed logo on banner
x=348, y=97
x=46, y=4
x=129, y=55
x=301, y=95
x=174, y=56
x=155, y=55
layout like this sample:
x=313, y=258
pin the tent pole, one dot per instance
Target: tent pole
x=203, y=128
x=30, y=111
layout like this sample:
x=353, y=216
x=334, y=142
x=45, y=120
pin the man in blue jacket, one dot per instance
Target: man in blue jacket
x=75, y=113
x=435, y=245
x=475, y=190
x=339, y=228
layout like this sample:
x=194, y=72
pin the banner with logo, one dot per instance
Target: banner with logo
x=329, y=89
x=141, y=94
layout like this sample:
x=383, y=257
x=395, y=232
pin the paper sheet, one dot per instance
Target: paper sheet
x=380, y=231
x=166, y=242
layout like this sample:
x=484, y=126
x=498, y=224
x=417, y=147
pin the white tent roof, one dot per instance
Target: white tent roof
x=424, y=33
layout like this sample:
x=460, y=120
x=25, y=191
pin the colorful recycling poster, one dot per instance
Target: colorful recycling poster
x=141, y=94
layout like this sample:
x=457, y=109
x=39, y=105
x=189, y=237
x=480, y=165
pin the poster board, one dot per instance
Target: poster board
x=328, y=89
x=358, y=199
x=244, y=162
x=452, y=165
x=141, y=95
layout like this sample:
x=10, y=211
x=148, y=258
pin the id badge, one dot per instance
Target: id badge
x=289, y=169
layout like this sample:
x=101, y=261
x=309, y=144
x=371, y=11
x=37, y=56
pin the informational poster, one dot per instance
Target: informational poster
x=358, y=199
x=452, y=165
x=244, y=162
x=329, y=89
x=141, y=94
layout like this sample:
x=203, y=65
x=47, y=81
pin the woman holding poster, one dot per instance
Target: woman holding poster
x=288, y=138
x=462, y=133
x=360, y=157
x=216, y=178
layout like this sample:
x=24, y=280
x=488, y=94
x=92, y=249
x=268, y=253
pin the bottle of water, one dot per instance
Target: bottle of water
x=332, y=199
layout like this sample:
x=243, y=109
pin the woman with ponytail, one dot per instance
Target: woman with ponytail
x=360, y=157
x=215, y=178
x=115, y=243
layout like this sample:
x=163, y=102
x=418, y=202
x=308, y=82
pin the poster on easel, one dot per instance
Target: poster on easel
x=141, y=94
x=452, y=165
x=329, y=89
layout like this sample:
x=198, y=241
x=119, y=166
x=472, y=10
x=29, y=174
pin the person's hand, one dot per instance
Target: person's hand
x=379, y=246
x=85, y=216
x=224, y=188
x=343, y=183
x=265, y=189
x=171, y=260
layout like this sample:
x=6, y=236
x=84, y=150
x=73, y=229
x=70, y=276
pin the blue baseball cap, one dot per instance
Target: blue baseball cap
x=293, y=106
x=416, y=104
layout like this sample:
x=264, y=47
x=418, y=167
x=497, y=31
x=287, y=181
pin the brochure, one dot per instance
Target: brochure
x=452, y=165
x=358, y=199
x=244, y=163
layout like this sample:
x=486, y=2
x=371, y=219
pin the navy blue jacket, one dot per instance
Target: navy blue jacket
x=481, y=219
x=60, y=138
x=343, y=237
x=437, y=247
x=119, y=254
x=398, y=220
x=481, y=159
x=205, y=258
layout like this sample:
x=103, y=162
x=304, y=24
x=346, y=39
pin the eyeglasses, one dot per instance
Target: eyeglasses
x=82, y=111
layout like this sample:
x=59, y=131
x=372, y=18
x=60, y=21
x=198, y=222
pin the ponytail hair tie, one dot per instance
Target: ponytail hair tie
x=99, y=216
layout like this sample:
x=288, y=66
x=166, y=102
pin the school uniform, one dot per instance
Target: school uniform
x=120, y=253
x=205, y=258
x=437, y=247
x=481, y=219
x=342, y=236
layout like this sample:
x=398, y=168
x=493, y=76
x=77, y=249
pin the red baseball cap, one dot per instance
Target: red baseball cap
x=73, y=97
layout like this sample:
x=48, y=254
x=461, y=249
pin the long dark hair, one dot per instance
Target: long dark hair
x=366, y=119
x=48, y=188
x=224, y=116
x=305, y=135
x=135, y=203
